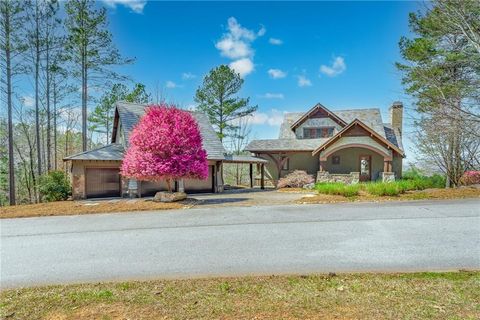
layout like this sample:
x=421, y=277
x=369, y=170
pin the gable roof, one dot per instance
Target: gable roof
x=112, y=152
x=128, y=115
x=318, y=108
x=372, y=132
x=287, y=140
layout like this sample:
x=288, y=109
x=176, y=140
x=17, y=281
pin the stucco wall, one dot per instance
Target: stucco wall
x=349, y=161
x=316, y=123
x=397, y=165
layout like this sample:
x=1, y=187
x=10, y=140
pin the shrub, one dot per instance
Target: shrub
x=296, y=179
x=54, y=186
x=338, y=188
x=470, y=177
x=385, y=188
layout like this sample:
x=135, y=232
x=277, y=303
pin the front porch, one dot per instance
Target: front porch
x=355, y=163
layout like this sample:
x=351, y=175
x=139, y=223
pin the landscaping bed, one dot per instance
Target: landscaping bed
x=65, y=208
x=427, y=194
x=453, y=295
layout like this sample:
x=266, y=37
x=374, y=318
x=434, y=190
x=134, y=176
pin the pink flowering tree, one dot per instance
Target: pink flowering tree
x=165, y=145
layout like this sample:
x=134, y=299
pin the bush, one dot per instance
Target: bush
x=54, y=186
x=338, y=188
x=296, y=179
x=386, y=188
x=470, y=177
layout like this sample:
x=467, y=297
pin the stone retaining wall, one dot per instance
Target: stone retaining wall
x=349, y=178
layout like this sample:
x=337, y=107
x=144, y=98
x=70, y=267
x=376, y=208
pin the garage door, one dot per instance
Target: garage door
x=102, y=182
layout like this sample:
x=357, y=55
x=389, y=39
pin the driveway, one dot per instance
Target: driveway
x=231, y=241
x=248, y=197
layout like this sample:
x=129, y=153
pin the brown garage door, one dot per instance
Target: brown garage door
x=102, y=182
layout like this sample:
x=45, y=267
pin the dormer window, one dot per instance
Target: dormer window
x=322, y=132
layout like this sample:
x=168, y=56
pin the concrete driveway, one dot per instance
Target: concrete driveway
x=227, y=241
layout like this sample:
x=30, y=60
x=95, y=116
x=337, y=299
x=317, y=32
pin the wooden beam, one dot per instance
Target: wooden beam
x=262, y=176
x=251, y=175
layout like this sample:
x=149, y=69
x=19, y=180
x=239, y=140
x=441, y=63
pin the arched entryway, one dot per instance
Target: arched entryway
x=368, y=161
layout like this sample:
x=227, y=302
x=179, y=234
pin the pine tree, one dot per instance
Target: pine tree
x=90, y=49
x=217, y=98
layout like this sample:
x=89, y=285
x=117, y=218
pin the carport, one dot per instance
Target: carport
x=250, y=160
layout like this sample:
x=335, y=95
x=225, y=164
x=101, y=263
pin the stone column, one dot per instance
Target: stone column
x=181, y=187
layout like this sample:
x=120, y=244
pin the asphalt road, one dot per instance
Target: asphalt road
x=413, y=236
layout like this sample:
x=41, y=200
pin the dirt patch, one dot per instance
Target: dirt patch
x=453, y=295
x=428, y=194
x=65, y=208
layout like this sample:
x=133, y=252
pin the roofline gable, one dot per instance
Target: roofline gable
x=315, y=108
x=116, y=120
x=364, y=126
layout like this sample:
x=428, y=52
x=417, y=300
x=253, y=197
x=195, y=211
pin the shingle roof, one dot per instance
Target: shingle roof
x=243, y=159
x=130, y=114
x=287, y=139
x=285, y=144
x=112, y=152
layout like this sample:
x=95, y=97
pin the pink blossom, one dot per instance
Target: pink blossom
x=165, y=145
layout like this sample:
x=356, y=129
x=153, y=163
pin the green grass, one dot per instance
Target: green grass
x=381, y=188
x=338, y=188
x=450, y=295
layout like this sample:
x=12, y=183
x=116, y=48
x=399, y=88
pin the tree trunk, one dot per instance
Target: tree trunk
x=37, y=107
x=55, y=126
x=11, y=162
x=47, y=93
x=84, y=87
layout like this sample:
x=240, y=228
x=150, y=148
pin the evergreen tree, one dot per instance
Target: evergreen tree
x=91, y=50
x=101, y=118
x=217, y=98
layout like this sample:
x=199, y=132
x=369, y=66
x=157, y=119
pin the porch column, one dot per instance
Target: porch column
x=262, y=176
x=387, y=165
x=251, y=175
x=323, y=165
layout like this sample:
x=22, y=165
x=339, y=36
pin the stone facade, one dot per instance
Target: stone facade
x=349, y=178
x=387, y=176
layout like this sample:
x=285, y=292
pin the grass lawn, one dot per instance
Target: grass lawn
x=65, y=208
x=351, y=296
x=427, y=194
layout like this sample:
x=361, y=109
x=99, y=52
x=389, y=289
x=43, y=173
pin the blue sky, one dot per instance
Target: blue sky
x=291, y=55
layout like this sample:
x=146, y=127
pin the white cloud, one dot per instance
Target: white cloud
x=188, y=76
x=275, y=42
x=269, y=95
x=262, y=31
x=338, y=66
x=303, y=81
x=272, y=118
x=242, y=66
x=28, y=101
x=236, y=44
x=135, y=5
x=170, y=84
x=276, y=73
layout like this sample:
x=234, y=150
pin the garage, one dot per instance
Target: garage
x=102, y=182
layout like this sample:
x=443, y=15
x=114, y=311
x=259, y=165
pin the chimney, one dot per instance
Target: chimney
x=396, y=116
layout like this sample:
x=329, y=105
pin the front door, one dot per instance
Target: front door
x=365, y=168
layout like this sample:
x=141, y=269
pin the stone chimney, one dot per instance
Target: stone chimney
x=396, y=116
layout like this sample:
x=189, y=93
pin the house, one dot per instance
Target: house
x=341, y=145
x=96, y=173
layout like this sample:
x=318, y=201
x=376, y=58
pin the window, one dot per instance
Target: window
x=322, y=132
x=336, y=160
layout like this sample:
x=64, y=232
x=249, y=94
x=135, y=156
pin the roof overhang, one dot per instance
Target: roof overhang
x=373, y=134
